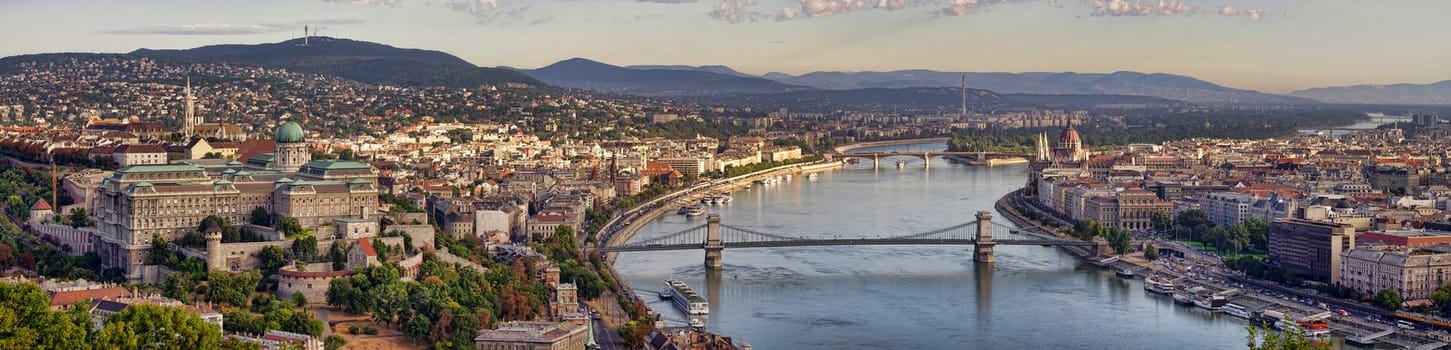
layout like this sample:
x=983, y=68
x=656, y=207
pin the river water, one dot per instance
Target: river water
x=909, y=297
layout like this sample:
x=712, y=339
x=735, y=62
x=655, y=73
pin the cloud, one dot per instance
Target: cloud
x=231, y=29
x=490, y=11
x=1140, y=8
x=736, y=11
x=367, y=2
x=1254, y=15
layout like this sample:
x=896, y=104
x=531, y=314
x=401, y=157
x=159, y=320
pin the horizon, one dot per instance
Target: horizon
x=1275, y=47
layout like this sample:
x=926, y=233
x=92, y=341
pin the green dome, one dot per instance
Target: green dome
x=289, y=132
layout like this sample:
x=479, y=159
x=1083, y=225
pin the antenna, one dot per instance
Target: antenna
x=964, y=96
x=305, y=35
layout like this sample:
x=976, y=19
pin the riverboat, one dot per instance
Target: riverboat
x=1158, y=285
x=812, y=176
x=901, y=164
x=685, y=299
x=1125, y=273
x=1237, y=311
x=1182, y=297
x=694, y=210
x=1210, y=301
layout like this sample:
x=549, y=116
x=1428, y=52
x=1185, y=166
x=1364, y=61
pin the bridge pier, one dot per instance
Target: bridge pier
x=983, y=250
x=926, y=161
x=876, y=161
x=713, y=246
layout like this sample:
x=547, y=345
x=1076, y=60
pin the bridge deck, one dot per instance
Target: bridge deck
x=844, y=242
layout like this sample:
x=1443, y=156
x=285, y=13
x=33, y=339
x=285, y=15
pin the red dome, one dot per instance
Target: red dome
x=1069, y=135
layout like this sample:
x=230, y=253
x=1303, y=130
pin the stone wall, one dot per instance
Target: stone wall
x=80, y=241
x=313, y=285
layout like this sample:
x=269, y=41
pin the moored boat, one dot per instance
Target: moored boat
x=1182, y=297
x=1236, y=310
x=1213, y=302
x=1158, y=285
x=695, y=210
x=1125, y=273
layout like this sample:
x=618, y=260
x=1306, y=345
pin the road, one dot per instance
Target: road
x=607, y=338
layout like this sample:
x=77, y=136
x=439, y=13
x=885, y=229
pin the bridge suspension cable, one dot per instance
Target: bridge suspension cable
x=694, y=235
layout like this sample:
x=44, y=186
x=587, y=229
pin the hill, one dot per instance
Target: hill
x=591, y=75
x=1168, y=86
x=1396, y=94
x=717, y=69
x=351, y=59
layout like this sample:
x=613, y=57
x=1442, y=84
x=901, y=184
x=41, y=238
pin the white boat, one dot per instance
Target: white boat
x=1213, y=302
x=724, y=199
x=708, y=200
x=1125, y=273
x=697, y=322
x=1236, y=311
x=1182, y=297
x=1158, y=285
x=812, y=176
x=695, y=210
x=901, y=164
x=686, y=299
x=664, y=293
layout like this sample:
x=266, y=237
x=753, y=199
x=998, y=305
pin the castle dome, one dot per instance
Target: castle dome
x=289, y=132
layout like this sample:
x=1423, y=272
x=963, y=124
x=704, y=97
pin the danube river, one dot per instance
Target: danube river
x=909, y=297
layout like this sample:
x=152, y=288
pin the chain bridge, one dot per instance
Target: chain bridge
x=715, y=237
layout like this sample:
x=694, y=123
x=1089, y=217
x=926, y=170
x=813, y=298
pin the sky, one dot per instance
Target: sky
x=1267, y=45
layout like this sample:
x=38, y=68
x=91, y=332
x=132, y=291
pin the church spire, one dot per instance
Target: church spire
x=189, y=124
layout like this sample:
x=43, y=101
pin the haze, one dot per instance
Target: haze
x=1273, y=46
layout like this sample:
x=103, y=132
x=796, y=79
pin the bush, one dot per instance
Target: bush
x=353, y=330
x=370, y=331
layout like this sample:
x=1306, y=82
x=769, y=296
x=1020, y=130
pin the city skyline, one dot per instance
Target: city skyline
x=1254, y=44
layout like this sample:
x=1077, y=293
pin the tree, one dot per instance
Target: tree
x=260, y=217
x=1292, y=339
x=157, y=327
x=289, y=227
x=223, y=287
x=79, y=218
x=1192, y=218
x=305, y=248
x=272, y=258
x=26, y=321
x=299, y=299
x=1259, y=233
x=334, y=342
x=1161, y=221
x=1119, y=239
x=1151, y=253
x=1389, y=299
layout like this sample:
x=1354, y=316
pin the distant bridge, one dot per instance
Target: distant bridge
x=714, y=237
x=926, y=157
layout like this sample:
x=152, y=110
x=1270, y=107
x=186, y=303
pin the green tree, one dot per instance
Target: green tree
x=305, y=248
x=1161, y=221
x=233, y=289
x=157, y=327
x=1259, y=233
x=1389, y=299
x=260, y=217
x=1192, y=218
x=334, y=342
x=272, y=258
x=79, y=218
x=1119, y=239
x=289, y=227
x=1151, y=253
x=27, y=322
x=1261, y=338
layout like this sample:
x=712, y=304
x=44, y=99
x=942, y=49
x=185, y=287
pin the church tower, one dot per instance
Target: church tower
x=188, y=127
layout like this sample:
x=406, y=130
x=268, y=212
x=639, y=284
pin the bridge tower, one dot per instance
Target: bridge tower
x=876, y=161
x=713, y=245
x=983, y=250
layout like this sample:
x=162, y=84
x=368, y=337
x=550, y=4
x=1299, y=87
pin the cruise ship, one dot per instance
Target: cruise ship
x=1158, y=285
x=1210, y=301
x=693, y=210
x=685, y=298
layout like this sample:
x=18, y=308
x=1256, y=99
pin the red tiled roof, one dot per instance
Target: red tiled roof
x=41, y=204
x=70, y=297
x=367, y=247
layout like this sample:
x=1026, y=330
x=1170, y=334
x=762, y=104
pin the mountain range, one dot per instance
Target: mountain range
x=662, y=80
x=382, y=64
x=1396, y=94
x=351, y=59
x=673, y=81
